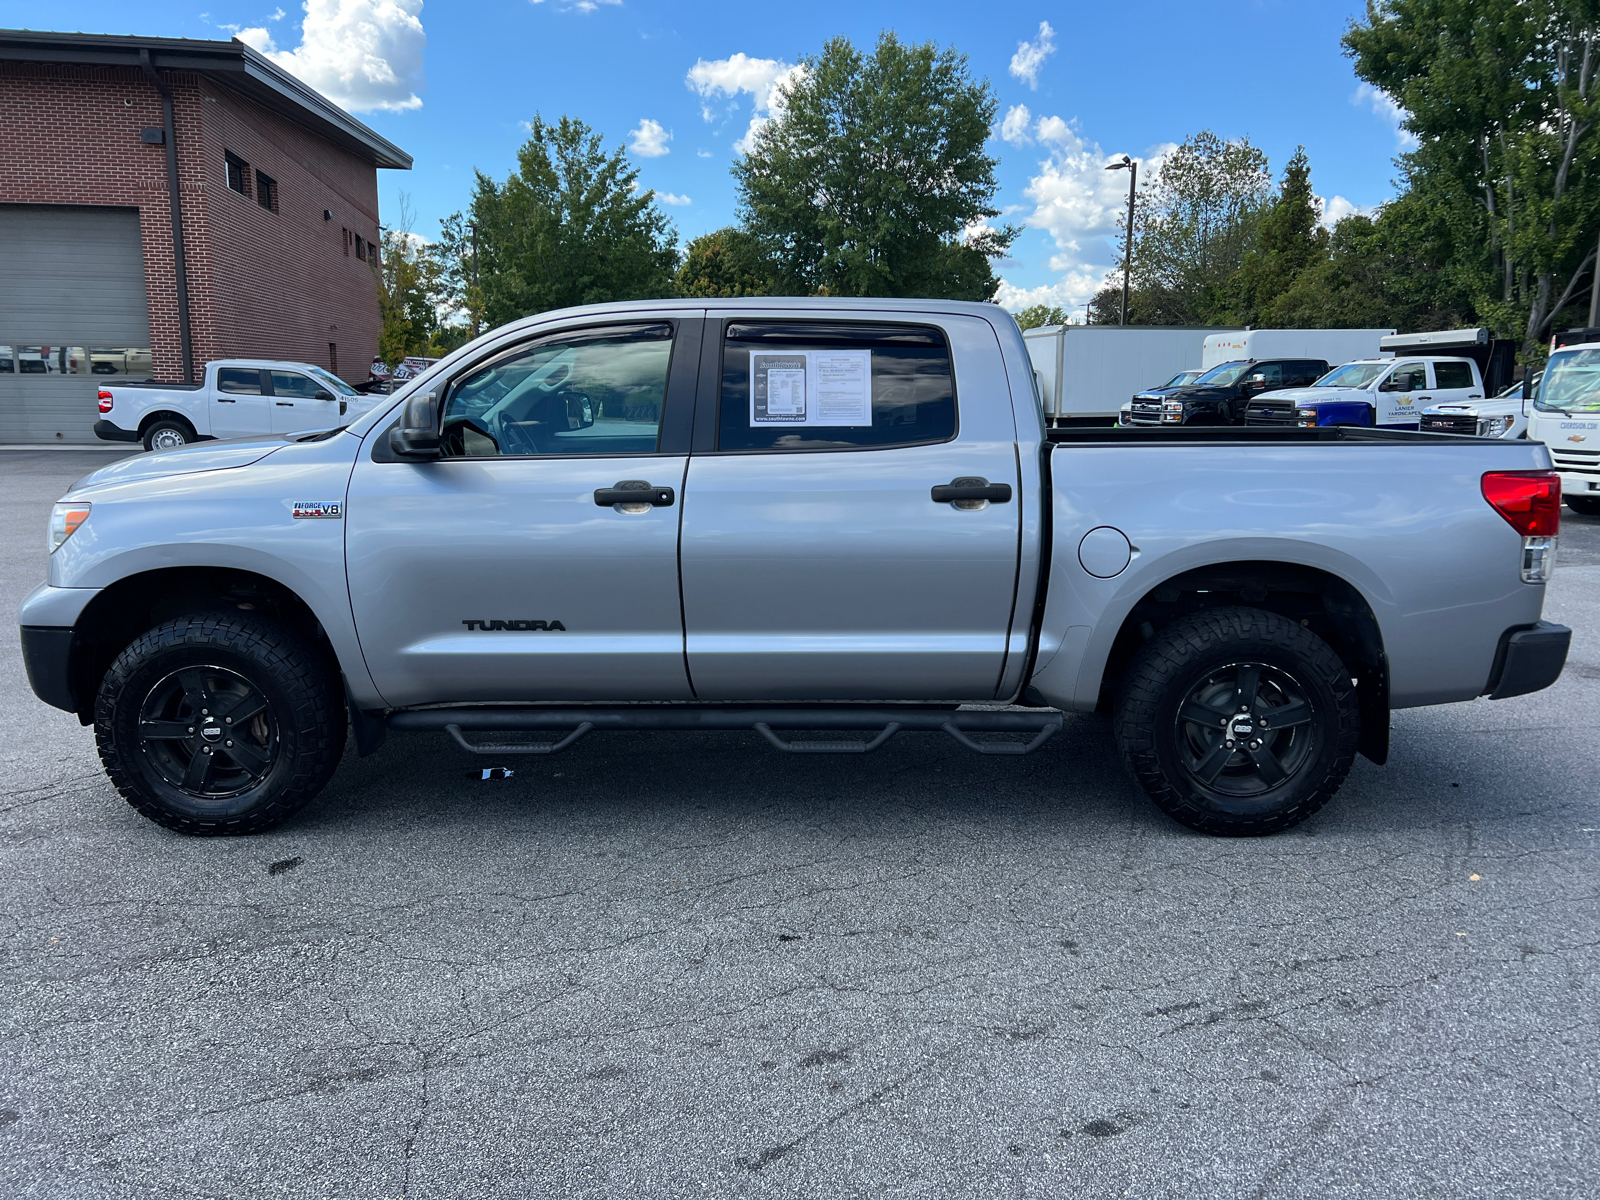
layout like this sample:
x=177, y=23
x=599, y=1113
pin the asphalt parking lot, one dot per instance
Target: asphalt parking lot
x=690, y=966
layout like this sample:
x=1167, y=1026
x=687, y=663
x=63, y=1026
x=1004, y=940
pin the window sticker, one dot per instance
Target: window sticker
x=811, y=387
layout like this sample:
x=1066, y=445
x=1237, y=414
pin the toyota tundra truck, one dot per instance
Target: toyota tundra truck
x=794, y=517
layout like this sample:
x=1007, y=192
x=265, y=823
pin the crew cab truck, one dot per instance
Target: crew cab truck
x=239, y=397
x=1565, y=416
x=1389, y=393
x=783, y=515
x=1222, y=395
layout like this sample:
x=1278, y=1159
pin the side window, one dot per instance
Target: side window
x=1272, y=372
x=1411, y=378
x=834, y=385
x=295, y=385
x=1453, y=374
x=1308, y=372
x=592, y=391
x=241, y=381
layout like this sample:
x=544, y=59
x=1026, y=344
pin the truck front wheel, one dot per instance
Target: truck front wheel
x=1584, y=506
x=219, y=724
x=1238, y=721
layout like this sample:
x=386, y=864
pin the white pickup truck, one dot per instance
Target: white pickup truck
x=240, y=397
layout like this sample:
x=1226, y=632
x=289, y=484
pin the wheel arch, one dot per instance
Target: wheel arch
x=166, y=414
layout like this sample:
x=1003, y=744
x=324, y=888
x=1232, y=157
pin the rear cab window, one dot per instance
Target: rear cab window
x=1452, y=375
x=241, y=381
x=790, y=385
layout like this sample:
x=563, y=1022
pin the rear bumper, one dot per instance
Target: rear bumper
x=107, y=432
x=47, y=657
x=1530, y=659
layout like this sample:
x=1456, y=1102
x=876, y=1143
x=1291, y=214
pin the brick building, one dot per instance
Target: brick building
x=276, y=194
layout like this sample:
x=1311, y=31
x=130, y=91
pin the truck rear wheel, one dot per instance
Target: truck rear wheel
x=167, y=434
x=1584, y=506
x=219, y=724
x=1238, y=721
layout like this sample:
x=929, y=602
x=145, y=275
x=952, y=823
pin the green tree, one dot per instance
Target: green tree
x=726, y=262
x=1040, y=315
x=1289, y=241
x=1196, y=220
x=569, y=226
x=456, y=258
x=408, y=279
x=1500, y=95
x=873, y=180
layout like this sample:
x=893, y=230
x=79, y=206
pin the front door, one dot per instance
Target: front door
x=241, y=406
x=505, y=570
x=818, y=562
x=300, y=402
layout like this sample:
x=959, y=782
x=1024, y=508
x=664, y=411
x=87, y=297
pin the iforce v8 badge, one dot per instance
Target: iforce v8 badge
x=318, y=510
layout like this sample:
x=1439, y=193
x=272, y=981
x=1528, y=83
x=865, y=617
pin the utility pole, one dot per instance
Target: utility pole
x=1594, y=289
x=474, y=304
x=1132, y=168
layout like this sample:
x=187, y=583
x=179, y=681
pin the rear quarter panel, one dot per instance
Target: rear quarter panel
x=1404, y=523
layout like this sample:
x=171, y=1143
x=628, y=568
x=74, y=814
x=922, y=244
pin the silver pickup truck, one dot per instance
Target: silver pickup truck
x=784, y=515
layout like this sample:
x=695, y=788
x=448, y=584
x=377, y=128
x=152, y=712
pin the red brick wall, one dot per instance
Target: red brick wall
x=261, y=284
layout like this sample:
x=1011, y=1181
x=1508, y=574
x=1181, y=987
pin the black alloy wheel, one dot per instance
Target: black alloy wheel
x=1238, y=721
x=208, y=732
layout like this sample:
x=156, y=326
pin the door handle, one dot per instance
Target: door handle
x=969, y=489
x=224, y=400
x=634, y=491
x=285, y=403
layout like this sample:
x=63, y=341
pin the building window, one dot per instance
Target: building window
x=347, y=236
x=266, y=191
x=238, y=173
x=361, y=248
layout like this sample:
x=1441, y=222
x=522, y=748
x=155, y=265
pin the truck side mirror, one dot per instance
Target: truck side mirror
x=1387, y=385
x=417, y=435
x=322, y=394
x=580, y=411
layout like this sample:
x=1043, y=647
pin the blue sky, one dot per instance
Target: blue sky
x=454, y=81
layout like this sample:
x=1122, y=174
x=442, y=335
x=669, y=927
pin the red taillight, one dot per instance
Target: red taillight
x=1530, y=501
x=105, y=401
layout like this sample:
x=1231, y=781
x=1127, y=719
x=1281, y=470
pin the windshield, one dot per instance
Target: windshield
x=1353, y=375
x=339, y=386
x=1182, y=379
x=1571, y=383
x=1222, y=376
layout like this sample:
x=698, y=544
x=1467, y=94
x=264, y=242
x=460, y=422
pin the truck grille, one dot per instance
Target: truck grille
x=1145, y=411
x=1465, y=423
x=1580, y=462
x=1270, y=413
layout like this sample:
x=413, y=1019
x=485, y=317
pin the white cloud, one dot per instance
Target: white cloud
x=1014, y=128
x=364, y=55
x=1386, y=109
x=1077, y=202
x=277, y=15
x=675, y=200
x=583, y=6
x=702, y=154
x=650, y=139
x=725, y=78
x=1030, y=56
x=1337, y=209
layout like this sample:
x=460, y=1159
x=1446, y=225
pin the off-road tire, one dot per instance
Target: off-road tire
x=1584, y=506
x=1168, y=754
x=303, y=712
x=167, y=425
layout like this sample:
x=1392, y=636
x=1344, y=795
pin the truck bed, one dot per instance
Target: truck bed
x=158, y=386
x=1251, y=435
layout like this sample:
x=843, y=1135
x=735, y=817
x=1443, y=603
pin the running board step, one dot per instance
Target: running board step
x=881, y=723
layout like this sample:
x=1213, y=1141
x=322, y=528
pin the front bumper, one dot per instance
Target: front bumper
x=47, y=657
x=1530, y=659
x=107, y=432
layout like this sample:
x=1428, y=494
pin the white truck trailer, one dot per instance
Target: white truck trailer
x=1334, y=346
x=1087, y=372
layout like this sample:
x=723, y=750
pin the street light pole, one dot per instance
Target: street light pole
x=1132, y=168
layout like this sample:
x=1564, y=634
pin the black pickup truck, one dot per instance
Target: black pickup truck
x=1221, y=395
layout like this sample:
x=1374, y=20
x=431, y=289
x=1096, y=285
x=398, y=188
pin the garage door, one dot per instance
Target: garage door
x=73, y=314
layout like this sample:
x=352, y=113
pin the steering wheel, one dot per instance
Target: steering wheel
x=514, y=438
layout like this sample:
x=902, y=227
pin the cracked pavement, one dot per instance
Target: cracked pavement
x=686, y=965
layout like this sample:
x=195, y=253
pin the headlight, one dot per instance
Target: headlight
x=65, y=520
x=1494, y=426
x=1172, y=410
x=1305, y=416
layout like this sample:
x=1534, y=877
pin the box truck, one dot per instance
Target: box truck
x=1337, y=346
x=1086, y=373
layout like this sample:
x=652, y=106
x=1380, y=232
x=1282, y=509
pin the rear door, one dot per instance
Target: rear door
x=1453, y=382
x=502, y=571
x=817, y=561
x=241, y=406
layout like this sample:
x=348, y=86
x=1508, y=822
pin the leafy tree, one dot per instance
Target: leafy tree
x=1500, y=94
x=727, y=262
x=1197, y=219
x=569, y=226
x=456, y=260
x=1289, y=240
x=1040, y=315
x=407, y=291
x=873, y=180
